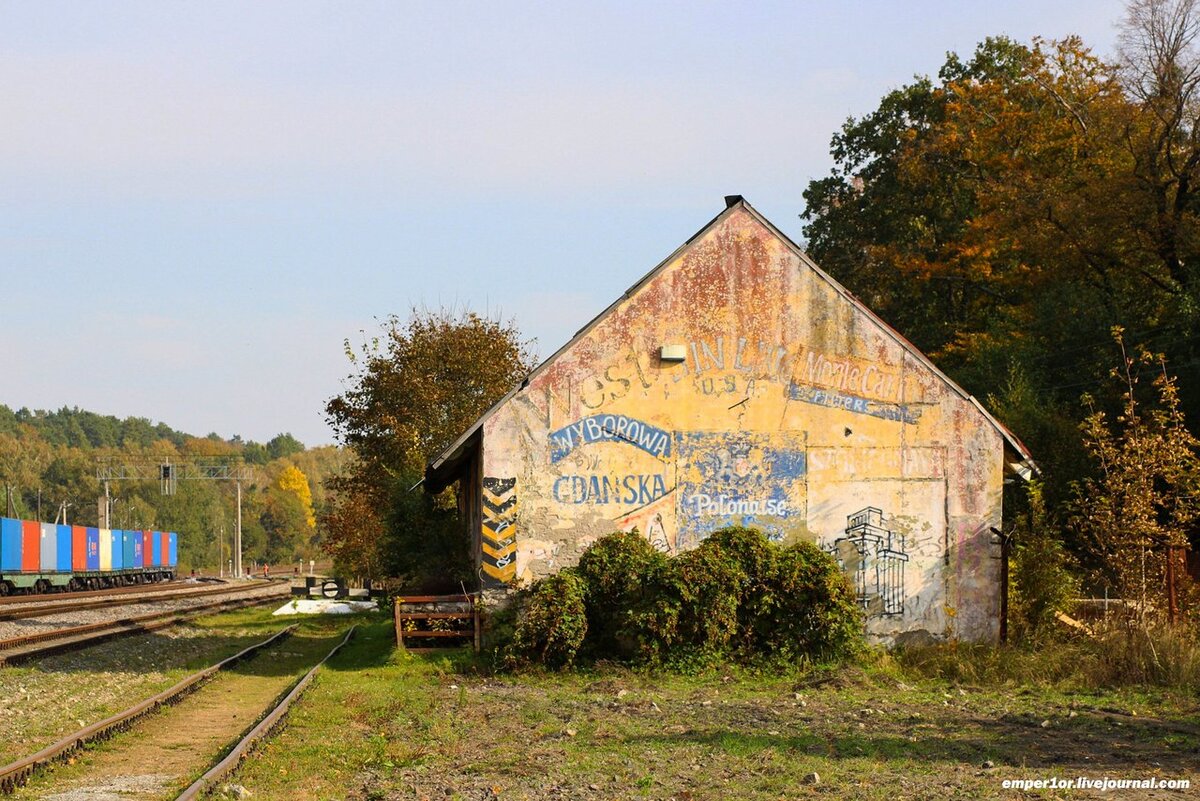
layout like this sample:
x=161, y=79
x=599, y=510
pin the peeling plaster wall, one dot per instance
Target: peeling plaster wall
x=794, y=412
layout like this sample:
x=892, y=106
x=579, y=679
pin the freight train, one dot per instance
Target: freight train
x=43, y=557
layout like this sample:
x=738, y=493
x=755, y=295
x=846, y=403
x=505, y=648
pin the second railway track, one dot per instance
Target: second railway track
x=28, y=610
x=66, y=636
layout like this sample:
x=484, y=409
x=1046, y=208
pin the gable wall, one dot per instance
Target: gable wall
x=794, y=412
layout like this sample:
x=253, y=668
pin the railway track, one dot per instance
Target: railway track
x=24, y=598
x=230, y=752
x=32, y=610
x=40, y=643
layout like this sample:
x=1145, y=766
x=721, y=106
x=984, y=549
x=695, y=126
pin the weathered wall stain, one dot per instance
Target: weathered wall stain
x=794, y=411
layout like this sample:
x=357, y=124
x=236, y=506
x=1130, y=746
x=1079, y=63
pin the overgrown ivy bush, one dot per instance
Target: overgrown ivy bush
x=551, y=622
x=736, y=597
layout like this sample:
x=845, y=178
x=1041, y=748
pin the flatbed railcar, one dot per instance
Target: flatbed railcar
x=44, y=557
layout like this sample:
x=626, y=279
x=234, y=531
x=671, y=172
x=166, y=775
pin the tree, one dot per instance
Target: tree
x=1007, y=215
x=293, y=480
x=1146, y=497
x=415, y=387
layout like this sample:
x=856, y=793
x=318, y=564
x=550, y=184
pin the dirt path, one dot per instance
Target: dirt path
x=166, y=752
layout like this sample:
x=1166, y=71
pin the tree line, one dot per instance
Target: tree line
x=49, y=459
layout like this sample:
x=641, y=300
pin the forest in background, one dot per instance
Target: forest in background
x=1030, y=218
x=51, y=458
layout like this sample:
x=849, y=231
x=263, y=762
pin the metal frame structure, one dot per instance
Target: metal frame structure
x=168, y=474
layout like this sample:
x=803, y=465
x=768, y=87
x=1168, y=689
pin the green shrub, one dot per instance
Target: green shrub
x=620, y=573
x=710, y=587
x=807, y=608
x=1043, y=579
x=551, y=623
x=736, y=596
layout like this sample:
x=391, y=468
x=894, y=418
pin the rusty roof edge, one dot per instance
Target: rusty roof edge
x=436, y=463
x=900, y=339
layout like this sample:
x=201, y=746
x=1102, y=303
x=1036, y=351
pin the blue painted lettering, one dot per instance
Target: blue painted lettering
x=610, y=428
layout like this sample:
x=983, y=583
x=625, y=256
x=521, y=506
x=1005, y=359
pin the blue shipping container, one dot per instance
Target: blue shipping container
x=63, y=564
x=93, y=548
x=156, y=556
x=118, y=549
x=133, y=549
x=49, y=548
x=174, y=560
x=10, y=545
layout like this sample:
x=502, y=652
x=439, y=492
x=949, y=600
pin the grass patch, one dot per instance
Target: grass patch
x=441, y=727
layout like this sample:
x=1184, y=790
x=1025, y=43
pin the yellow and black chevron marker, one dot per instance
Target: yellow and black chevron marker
x=499, y=534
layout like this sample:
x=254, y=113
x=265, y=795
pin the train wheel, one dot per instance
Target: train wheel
x=4, y=588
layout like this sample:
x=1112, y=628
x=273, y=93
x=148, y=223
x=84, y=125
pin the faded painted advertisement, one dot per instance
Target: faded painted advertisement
x=795, y=411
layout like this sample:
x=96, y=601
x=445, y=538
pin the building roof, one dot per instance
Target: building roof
x=443, y=470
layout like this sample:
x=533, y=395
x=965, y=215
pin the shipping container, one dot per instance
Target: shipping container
x=148, y=548
x=164, y=548
x=31, y=546
x=10, y=545
x=155, y=551
x=62, y=560
x=106, y=549
x=118, y=549
x=174, y=555
x=91, y=559
x=49, y=548
x=128, y=538
x=132, y=549
x=78, y=548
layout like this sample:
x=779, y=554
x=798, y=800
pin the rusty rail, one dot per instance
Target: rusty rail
x=76, y=636
x=264, y=728
x=17, y=773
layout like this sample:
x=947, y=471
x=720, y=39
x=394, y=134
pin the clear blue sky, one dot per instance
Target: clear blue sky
x=201, y=201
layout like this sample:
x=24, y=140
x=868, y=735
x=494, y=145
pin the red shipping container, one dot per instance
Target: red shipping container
x=164, y=548
x=78, y=548
x=148, y=548
x=31, y=546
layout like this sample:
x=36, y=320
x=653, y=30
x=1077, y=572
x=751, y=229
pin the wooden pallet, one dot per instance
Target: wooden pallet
x=409, y=639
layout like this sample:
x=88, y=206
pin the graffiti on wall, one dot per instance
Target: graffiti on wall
x=631, y=489
x=499, y=530
x=731, y=365
x=873, y=556
x=610, y=428
x=738, y=478
x=902, y=412
x=655, y=522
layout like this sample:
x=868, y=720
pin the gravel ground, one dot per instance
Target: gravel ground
x=16, y=628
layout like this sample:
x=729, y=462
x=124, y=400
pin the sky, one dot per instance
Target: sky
x=201, y=202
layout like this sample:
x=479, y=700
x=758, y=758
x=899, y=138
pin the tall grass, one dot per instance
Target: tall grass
x=1119, y=655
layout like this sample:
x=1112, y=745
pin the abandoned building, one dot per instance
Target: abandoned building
x=737, y=383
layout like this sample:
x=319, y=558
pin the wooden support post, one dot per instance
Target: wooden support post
x=399, y=625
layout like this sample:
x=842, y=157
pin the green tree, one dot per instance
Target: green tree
x=415, y=387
